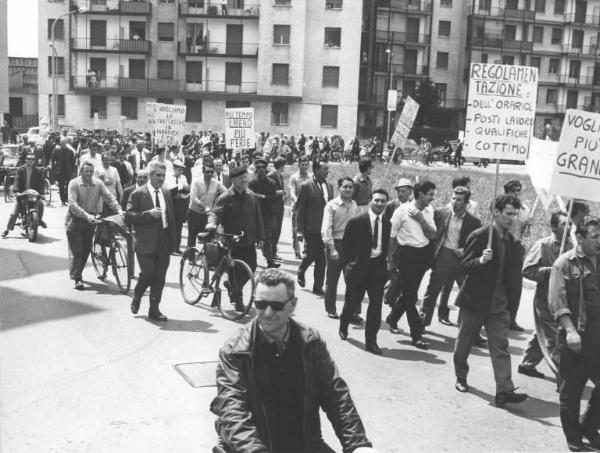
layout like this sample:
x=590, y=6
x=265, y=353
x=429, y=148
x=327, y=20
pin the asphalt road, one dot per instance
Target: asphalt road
x=80, y=373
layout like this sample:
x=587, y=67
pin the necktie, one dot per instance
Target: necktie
x=375, y=234
x=156, y=199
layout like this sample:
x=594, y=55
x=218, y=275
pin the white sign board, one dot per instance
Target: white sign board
x=392, y=100
x=406, y=121
x=500, y=111
x=539, y=165
x=576, y=171
x=169, y=124
x=239, y=128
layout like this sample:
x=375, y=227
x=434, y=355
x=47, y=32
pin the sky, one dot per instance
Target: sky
x=23, y=28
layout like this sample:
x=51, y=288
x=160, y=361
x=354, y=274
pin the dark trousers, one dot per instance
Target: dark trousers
x=12, y=220
x=445, y=268
x=80, y=246
x=196, y=224
x=574, y=372
x=269, y=244
x=515, y=300
x=533, y=354
x=63, y=187
x=180, y=207
x=355, y=292
x=334, y=270
x=277, y=227
x=295, y=243
x=314, y=251
x=246, y=253
x=153, y=270
x=411, y=264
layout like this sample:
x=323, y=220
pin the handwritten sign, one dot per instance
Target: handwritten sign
x=539, y=165
x=169, y=124
x=239, y=128
x=500, y=111
x=406, y=121
x=576, y=172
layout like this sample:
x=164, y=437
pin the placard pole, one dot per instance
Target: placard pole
x=563, y=243
x=489, y=244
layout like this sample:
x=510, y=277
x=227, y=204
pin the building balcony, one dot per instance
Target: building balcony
x=589, y=81
x=550, y=108
x=130, y=8
x=500, y=13
x=587, y=50
x=452, y=103
x=406, y=6
x=159, y=87
x=579, y=19
x=400, y=37
x=400, y=70
x=135, y=46
x=218, y=49
x=205, y=8
x=499, y=42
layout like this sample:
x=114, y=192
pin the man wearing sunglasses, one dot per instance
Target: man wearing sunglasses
x=272, y=378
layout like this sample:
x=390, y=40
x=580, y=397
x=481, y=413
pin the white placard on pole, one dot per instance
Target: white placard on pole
x=500, y=111
x=169, y=124
x=576, y=171
x=239, y=128
x=406, y=121
x=392, y=100
x=151, y=115
x=96, y=120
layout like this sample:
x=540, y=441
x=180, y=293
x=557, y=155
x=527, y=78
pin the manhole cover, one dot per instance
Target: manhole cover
x=198, y=374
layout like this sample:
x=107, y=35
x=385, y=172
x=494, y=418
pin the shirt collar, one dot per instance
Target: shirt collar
x=372, y=215
x=264, y=338
x=82, y=183
x=151, y=188
x=462, y=216
x=338, y=200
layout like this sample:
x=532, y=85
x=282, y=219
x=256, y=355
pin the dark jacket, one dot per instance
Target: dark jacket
x=239, y=212
x=356, y=246
x=242, y=423
x=279, y=185
x=145, y=226
x=477, y=290
x=63, y=162
x=225, y=180
x=310, y=206
x=442, y=218
x=36, y=182
x=266, y=190
x=126, y=194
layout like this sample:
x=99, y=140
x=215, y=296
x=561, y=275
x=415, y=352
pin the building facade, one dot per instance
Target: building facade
x=23, y=93
x=288, y=59
x=3, y=59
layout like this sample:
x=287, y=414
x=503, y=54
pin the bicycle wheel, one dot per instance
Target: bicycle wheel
x=8, y=190
x=48, y=191
x=32, y=226
x=119, y=265
x=99, y=261
x=193, y=276
x=240, y=285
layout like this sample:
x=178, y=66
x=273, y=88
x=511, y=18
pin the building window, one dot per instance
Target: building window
x=572, y=99
x=485, y=5
x=441, y=62
x=98, y=33
x=553, y=66
x=166, y=31
x=165, y=101
x=510, y=32
x=166, y=1
x=512, y=4
x=60, y=65
x=15, y=107
x=237, y=104
x=329, y=115
x=331, y=76
x=281, y=74
x=281, y=34
x=559, y=6
x=446, y=3
x=540, y=6
x=444, y=28
x=551, y=96
x=538, y=34
x=164, y=69
x=98, y=105
x=333, y=37
x=59, y=29
x=557, y=35
x=574, y=69
x=60, y=108
x=129, y=108
x=508, y=59
x=194, y=111
x=333, y=4
x=441, y=90
x=193, y=71
x=536, y=62
x=233, y=74
x=279, y=114
x=484, y=57
x=577, y=42
x=283, y=2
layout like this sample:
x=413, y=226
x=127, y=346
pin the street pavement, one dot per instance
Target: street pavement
x=80, y=373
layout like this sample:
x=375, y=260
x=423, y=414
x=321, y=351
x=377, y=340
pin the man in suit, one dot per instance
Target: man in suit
x=365, y=243
x=138, y=157
x=151, y=212
x=492, y=276
x=278, y=207
x=453, y=224
x=220, y=175
x=312, y=197
x=28, y=177
x=63, y=168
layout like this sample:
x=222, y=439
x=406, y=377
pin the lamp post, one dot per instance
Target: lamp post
x=54, y=66
x=389, y=53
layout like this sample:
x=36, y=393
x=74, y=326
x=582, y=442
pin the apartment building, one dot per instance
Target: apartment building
x=23, y=93
x=291, y=60
x=3, y=59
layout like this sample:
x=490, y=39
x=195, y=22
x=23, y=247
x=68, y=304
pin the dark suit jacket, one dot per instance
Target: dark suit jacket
x=225, y=180
x=477, y=290
x=126, y=194
x=442, y=218
x=145, y=226
x=36, y=182
x=63, y=162
x=356, y=246
x=310, y=206
x=279, y=185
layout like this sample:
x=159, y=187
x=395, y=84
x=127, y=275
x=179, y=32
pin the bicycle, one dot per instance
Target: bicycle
x=204, y=266
x=47, y=185
x=28, y=218
x=111, y=233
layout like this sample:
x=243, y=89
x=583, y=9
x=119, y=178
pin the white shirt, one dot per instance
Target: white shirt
x=472, y=208
x=161, y=199
x=453, y=233
x=140, y=156
x=406, y=230
x=324, y=191
x=375, y=252
x=96, y=161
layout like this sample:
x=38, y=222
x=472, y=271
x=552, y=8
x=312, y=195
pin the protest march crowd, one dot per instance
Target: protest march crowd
x=276, y=373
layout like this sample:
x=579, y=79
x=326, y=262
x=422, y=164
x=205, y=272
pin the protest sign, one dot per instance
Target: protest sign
x=576, y=170
x=500, y=111
x=239, y=128
x=151, y=115
x=539, y=165
x=392, y=100
x=406, y=121
x=169, y=124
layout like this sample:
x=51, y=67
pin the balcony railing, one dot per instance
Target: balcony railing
x=218, y=49
x=582, y=80
x=501, y=13
x=584, y=20
x=200, y=8
x=158, y=86
x=112, y=45
x=401, y=69
x=498, y=41
x=418, y=6
x=590, y=50
x=399, y=37
x=139, y=7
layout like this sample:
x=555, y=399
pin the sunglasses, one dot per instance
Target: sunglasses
x=30, y=158
x=275, y=305
x=209, y=172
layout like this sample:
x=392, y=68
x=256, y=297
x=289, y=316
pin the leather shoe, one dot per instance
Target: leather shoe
x=157, y=316
x=43, y=224
x=316, y=291
x=393, y=325
x=530, y=371
x=579, y=446
x=461, y=385
x=135, y=305
x=79, y=285
x=514, y=326
x=301, y=281
x=420, y=344
x=509, y=397
x=593, y=437
x=5, y=233
x=373, y=348
x=356, y=319
x=333, y=315
x=276, y=257
x=273, y=265
x=343, y=335
x=446, y=322
x=480, y=341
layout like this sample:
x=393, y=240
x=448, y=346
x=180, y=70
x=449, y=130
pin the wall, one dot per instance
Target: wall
x=3, y=58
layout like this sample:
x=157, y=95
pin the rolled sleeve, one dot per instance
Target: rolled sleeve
x=557, y=293
x=327, y=227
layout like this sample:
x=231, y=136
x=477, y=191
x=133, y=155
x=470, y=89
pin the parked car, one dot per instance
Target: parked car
x=33, y=135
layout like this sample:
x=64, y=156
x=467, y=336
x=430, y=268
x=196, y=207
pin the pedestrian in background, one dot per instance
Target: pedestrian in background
x=296, y=180
x=180, y=193
x=363, y=186
x=203, y=196
x=278, y=204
